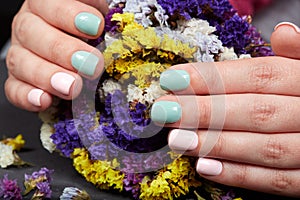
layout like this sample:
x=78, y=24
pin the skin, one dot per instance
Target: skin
x=259, y=146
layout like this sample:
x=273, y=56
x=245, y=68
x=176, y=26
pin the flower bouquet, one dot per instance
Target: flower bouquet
x=107, y=131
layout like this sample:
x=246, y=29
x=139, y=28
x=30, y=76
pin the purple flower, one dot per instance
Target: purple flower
x=233, y=33
x=9, y=189
x=132, y=183
x=43, y=189
x=66, y=137
x=43, y=174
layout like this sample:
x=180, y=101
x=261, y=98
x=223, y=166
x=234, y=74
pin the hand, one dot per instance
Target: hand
x=47, y=50
x=254, y=103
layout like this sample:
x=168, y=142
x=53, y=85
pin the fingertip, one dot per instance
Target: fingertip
x=285, y=40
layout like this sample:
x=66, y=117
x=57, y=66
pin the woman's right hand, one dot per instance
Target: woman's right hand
x=48, y=54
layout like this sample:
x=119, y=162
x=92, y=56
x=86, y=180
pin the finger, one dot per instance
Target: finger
x=270, y=150
x=42, y=74
x=26, y=96
x=270, y=75
x=285, y=40
x=239, y=112
x=101, y=5
x=267, y=180
x=71, y=16
x=58, y=47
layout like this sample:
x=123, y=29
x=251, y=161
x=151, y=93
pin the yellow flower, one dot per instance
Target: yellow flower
x=101, y=173
x=171, y=182
x=16, y=143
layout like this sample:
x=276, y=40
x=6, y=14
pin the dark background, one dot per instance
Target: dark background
x=14, y=121
x=7, y=12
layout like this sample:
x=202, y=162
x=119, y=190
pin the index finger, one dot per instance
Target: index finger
x=267, y=75
x=71, y=16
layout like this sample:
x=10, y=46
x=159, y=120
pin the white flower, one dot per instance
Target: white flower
x=193, y=26
x=245, y=56
x=74, y=193
x=45, y=133
x=154, y=92
x=134, y=93
x=149, y=94
x=228, y=54
x=6, y=155
x=110, y=86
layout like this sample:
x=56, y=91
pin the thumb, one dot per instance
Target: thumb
x=285, y=40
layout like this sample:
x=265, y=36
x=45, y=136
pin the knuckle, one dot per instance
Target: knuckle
x=273, y=151
x=22, y=23
x=261, y=113
x=11, y=59
x=280, y=182
x=263, y=75
x=56, y=47
x=205, y=115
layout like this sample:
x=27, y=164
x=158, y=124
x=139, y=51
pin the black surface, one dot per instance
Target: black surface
x=15, y=121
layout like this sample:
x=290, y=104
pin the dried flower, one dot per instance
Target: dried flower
x=9, y=189
x=73, y=193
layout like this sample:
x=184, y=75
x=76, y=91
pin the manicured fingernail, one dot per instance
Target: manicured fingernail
x=174, y=80
x=296, y=28
x=34, y=96
x=87, y=23
x=62, y=82
x=209, y=167
x=183, y=140
x=85, y=62
x=165, y=112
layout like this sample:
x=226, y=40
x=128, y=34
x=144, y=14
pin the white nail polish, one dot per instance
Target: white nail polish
x=34, y=97
x=183, y=140
x=62, y=82
x=296, y=28
x=209, y=167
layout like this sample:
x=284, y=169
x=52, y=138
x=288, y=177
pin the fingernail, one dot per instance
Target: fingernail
x=183, y=140
x=296, y=28
x=174, y=80
x=85, y=62
x=165, y=112
x=209, y=167
x=34, y=97
x=87, y=23
x=62, y=82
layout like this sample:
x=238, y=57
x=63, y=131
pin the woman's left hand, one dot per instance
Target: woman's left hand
x=255, y=103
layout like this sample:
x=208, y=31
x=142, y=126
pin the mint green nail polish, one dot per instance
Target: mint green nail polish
x=85, y=62
x=166, y=112
x=87, y=23
x=174, y=80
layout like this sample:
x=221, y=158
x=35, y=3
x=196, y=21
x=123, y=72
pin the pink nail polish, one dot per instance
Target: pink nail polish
x=209, y=167
x=34, y=97
x=62, y=82
x=183, y=140
x=296, y=28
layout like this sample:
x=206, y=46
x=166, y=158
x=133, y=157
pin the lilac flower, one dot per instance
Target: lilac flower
x=129, y=129
x=257, y=46
x=9, y=189
x=132, y=183
x=43, y=174
x=43, y=190
x=233, y=33
x=40, y=182
x=66, y=137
